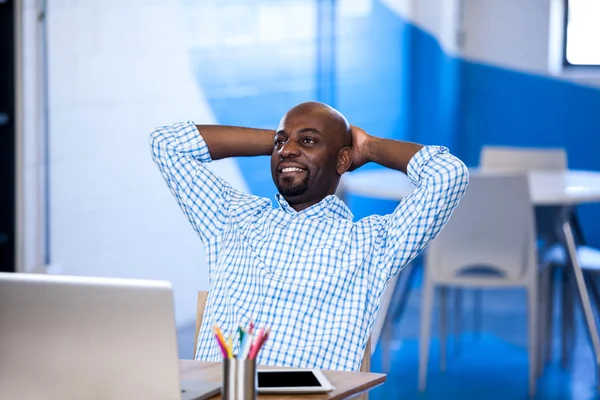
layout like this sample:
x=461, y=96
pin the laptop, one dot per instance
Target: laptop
x=67, y=337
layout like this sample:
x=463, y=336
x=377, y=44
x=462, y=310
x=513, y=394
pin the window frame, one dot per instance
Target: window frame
x=566, y=64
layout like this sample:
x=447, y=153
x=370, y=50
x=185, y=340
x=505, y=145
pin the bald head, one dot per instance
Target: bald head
x=312, y=149
x=335, y=125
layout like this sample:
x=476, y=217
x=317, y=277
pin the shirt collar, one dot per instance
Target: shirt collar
x=331, y=206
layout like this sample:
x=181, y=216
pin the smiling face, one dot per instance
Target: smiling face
x=311, y=150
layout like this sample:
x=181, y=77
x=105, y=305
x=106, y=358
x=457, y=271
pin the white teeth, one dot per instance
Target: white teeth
x=292, y=169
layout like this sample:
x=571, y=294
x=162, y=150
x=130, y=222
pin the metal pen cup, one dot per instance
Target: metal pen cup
x=239, y=379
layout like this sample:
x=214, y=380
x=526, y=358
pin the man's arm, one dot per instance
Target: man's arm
x=440, y=179
x=232, y=141
x=182, y=153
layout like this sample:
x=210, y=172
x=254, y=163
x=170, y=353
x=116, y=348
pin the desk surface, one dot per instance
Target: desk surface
x=346, y=383
x=569, y=187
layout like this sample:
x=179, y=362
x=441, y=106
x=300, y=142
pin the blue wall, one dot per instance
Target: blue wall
x=394, y=80
x=255, y=84
x=505, y=107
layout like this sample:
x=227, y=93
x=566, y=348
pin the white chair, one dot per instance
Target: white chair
x=382, y=322
x=523, y=159
x=519, y=159
x=491, y=230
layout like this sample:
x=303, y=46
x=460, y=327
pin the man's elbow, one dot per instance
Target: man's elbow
x=156, y=142
x=458, y=177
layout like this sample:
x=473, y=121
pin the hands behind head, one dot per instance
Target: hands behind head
x=360, y=154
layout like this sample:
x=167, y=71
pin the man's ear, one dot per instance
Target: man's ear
x=344, y=160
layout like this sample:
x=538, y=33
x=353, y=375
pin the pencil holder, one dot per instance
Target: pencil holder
x=239, y=379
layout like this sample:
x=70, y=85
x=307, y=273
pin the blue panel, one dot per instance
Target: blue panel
x=435, y=88
x=254, y=84
x=372, y=86
x=505, y=107
x=513, y=108
x=394, y=80
x=363, y=207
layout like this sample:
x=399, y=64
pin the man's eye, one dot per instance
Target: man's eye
x=279, y=142
x=309, y=140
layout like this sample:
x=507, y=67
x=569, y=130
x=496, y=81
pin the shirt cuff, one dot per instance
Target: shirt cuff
x=420, y=159
x=190, y=138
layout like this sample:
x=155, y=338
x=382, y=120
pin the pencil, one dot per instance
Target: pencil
x=242, y=333
x=258, y=344
x=223, y=350
x=221, y=339
x=230, y=346
x=242, y=350
x=218, y=332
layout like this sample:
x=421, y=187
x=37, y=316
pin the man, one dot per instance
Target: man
x=304, y=269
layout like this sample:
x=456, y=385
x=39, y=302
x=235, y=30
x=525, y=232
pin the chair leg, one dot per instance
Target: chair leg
x=546, y=312
x=533, y=321
x=549, y=310
x=398, y=302
x=594, y=290
x=477, y=325
x=457, y=319
x=564, y=319
x=543, y=300
x=443, y=326
x=426, y=311
x=384, y=344
x=567, y=318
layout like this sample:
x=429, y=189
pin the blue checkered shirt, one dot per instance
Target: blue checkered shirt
x=315, y=277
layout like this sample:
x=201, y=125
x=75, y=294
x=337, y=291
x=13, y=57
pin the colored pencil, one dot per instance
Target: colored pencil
x=221, y=340
x=223, y=349
x=245, y=348
x=258, y=345
x=230, y=346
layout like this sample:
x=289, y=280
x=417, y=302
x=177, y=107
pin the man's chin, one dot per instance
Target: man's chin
x=292, y=188
x=292, y=192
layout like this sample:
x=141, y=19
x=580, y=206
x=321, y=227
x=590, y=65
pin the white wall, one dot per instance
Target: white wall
x=508, y=33
x=523, y=35
x=117, y=69
x=440, y=18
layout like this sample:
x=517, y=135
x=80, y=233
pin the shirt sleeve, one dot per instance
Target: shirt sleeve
x=182, y=155
x=441, y=180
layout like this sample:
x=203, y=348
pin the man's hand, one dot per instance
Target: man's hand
x=360, y=140
x=394, y=154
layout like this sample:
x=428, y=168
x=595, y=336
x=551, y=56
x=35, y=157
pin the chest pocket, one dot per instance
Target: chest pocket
x=324, y=262
x=324, y=255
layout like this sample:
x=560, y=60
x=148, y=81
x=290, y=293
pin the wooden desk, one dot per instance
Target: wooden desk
x=346, y=383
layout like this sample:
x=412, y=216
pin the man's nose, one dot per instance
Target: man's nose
x=290, y=149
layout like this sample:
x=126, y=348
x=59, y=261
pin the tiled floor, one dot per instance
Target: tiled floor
x=492, y=365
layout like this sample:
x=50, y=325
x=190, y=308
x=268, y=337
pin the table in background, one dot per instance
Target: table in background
x=561, y=189
x=346, y=383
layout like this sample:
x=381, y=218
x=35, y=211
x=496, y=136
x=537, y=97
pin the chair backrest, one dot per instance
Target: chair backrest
x=492, y=229
x=518, y=159
x=523, y=159
x=203, y=296
x=385, y=312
